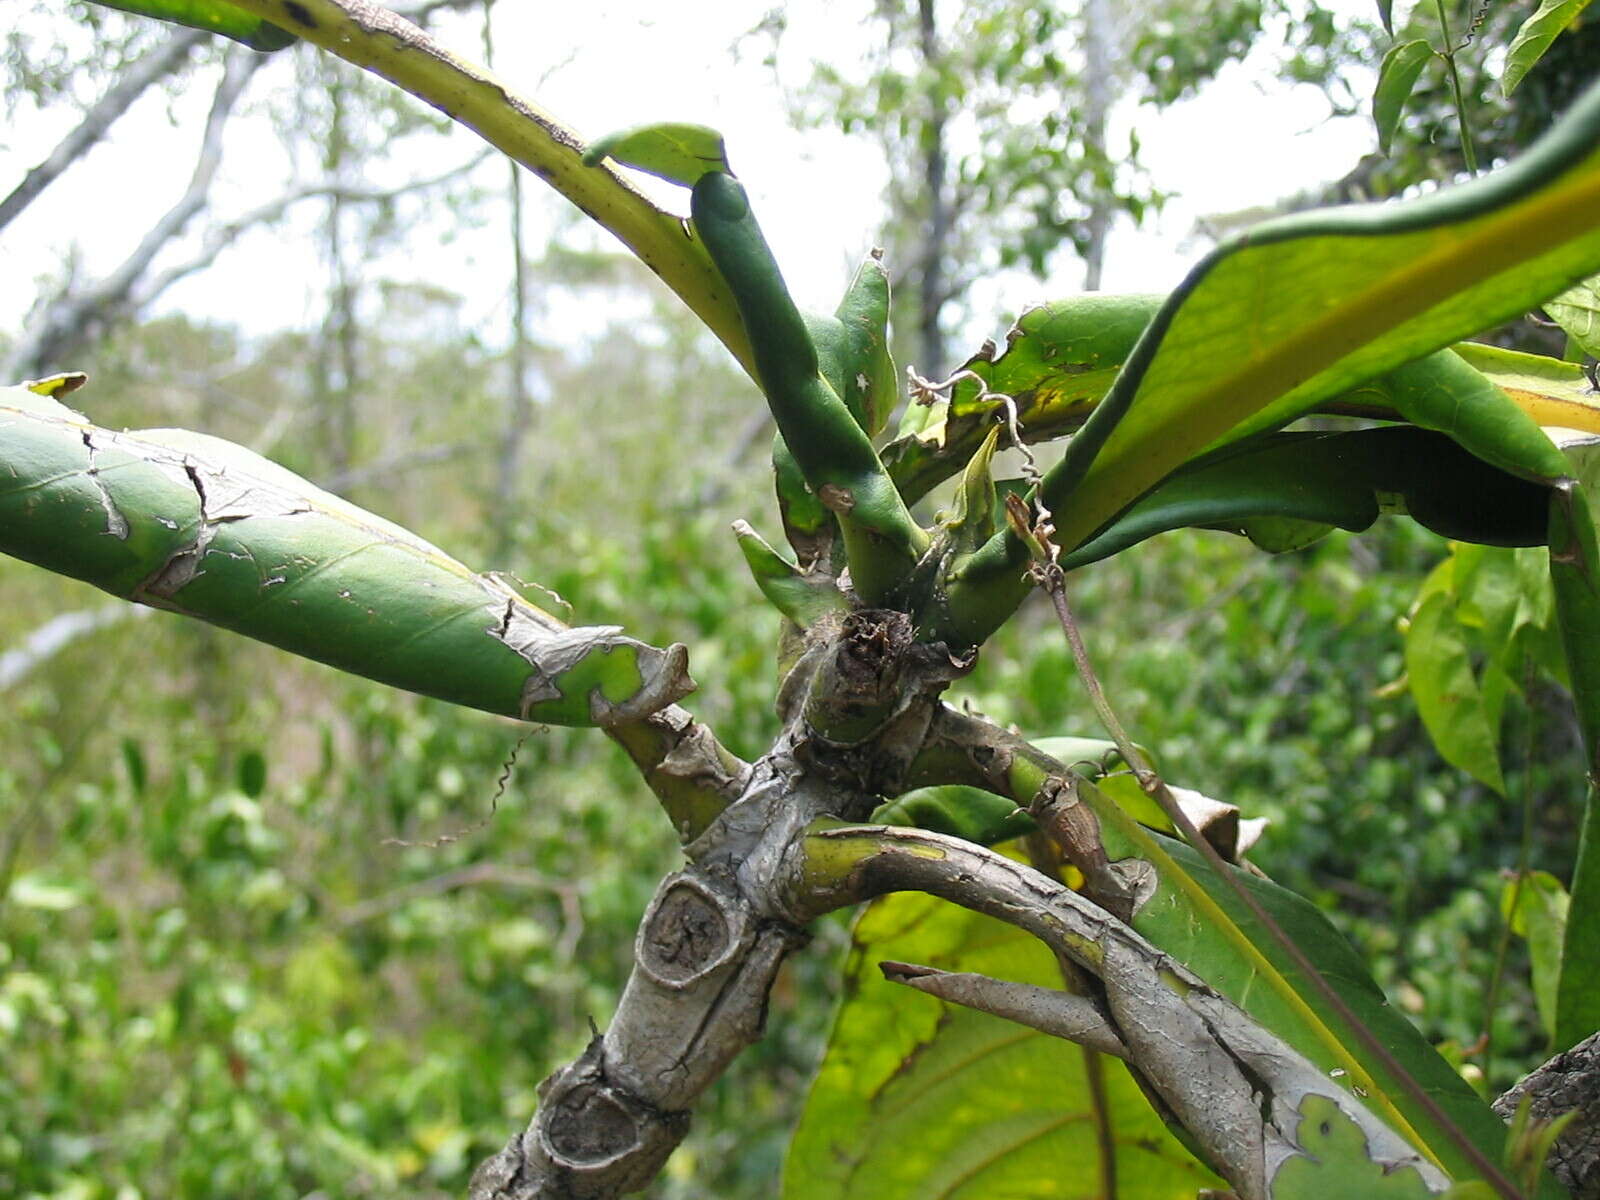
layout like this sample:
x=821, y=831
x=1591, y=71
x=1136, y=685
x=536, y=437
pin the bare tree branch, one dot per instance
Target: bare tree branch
x=220, y=238
x=421, y=456
x=130, y=85
x=56, y=634
x=472, y=875
x=71, y=320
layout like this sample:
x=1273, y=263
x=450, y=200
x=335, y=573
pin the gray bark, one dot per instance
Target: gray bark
x=713, y=938
x=859, y=708
x=1569, y=1082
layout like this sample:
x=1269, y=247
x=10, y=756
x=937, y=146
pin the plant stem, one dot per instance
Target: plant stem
x=1524, y=854
x=1468, y=155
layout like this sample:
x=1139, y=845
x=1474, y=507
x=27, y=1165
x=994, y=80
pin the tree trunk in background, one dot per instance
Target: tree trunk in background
x=1098, y=41
x=336, y=365
x=519, y=407
x=931, y=286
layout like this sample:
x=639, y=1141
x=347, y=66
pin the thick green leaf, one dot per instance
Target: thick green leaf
x=853, y=356
x=1575, y=574
x=1535, y=37
x=1195, y=918
x=853, y=347
x=969, y=813
x=1577, y=311
x=1578, y=986
x=1296, y=311
x=1443, y=393
x=1337, y=479
x=214, y=16
x=799, y=597
x=1061, y=358
x=1537, y=910
x=916, y=1098
x=975, y=815
x=882, y=540
x=677, y=152
x=197, y=525
x=1397, y=75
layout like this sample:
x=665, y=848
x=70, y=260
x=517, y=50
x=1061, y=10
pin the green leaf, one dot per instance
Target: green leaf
x=1577, y=311
x=1345, y=480
x=1535, y=37
x=1195, y=918
x=1295, y=311
x=969, y=813
x=200, y=526
x=973, y=521
x=1537, y=910
x=1550, y=391
x=916, y=1098
x=1281, y=535
x=1442, y=392
x=975, y=815
x=677, y=152
x=1061, y=358
x=1448, y=695
x=133, y=762
x=252, y=773
x=1575, y=574
x=1397, y=76
x=1386, y=15
x=834, y=453
x=214, y=16
x=802, y=599
x=853, y=347
x=1578, y=988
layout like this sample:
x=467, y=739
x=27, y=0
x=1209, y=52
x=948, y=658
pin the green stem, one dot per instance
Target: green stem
x=1449, y=55
x=691, y=773
x=1524, y=856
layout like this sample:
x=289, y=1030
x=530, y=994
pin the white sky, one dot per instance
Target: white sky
x=1243, y=141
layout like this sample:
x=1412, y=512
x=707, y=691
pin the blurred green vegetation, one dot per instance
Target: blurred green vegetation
x=267, y=930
